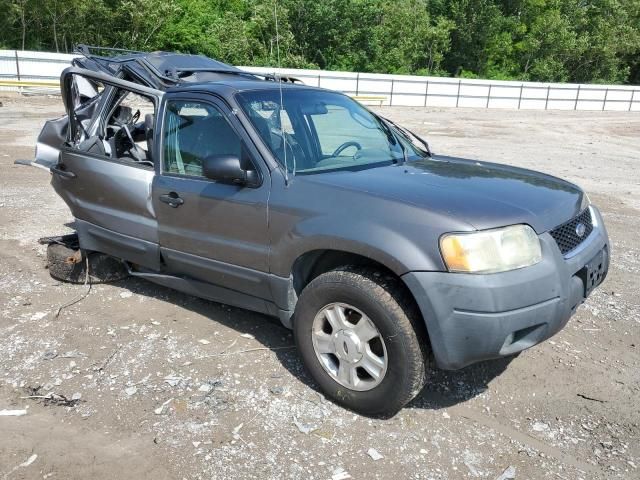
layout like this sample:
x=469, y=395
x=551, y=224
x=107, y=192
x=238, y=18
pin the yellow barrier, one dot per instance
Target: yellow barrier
x=367, y=98
x=22, y=83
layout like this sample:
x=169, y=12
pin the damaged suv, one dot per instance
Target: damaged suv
x=302, y=204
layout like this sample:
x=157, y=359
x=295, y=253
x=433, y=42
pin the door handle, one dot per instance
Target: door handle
x=62, y=173
x=172, y=199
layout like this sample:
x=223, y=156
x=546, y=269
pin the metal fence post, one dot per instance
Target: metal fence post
x=357, y=83
x=633, y=93
x=426, y=95
x=458, y=95
x=17, y=64
x=575, y=106
x=520, y=99
x=546, y=103
x=488, y=96
x=318, y=80
x=604, y=103
x=391, y=98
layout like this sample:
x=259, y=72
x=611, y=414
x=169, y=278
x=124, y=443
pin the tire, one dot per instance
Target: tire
x=386, y=302
x=69, y=265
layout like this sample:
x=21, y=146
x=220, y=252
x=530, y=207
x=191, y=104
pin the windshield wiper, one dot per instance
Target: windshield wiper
x=408, y=134
x=393, y=138
x=405, y=155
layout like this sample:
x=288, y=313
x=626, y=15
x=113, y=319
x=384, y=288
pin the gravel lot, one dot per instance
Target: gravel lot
x=177, y=387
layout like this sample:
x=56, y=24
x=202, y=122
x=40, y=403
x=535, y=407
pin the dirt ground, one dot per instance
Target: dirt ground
x=175, y=387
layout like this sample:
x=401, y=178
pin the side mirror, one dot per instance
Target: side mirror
x=228, y=169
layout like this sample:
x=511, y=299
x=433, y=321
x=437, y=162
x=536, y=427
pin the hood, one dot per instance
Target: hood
x=484, y=195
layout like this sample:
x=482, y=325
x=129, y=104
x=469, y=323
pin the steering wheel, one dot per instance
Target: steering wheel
x=123, y=140
x=344, y=146
x=125, y=146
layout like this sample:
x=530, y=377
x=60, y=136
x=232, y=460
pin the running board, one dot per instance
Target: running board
x=209, y=292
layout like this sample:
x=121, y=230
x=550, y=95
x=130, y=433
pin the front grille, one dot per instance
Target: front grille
x=566, y=236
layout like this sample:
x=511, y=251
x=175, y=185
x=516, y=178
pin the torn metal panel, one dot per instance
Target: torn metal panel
x=159, y=70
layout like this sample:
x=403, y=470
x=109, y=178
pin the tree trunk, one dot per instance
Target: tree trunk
x=24, y=24
x=55, y=34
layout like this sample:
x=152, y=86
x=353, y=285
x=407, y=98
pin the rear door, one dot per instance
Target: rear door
x=210, y=231
x=104, y=179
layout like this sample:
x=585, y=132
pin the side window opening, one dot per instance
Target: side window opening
x=85, y=95
x=128, y=128
x=84, y=91
x=194, y=131
x=111, y=122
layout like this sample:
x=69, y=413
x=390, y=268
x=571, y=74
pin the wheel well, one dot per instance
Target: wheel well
x=312, y=264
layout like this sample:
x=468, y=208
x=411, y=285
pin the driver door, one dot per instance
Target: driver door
x=210, y=231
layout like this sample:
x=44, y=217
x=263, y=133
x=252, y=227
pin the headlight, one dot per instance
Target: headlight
x=585, y=201
x=491, y=251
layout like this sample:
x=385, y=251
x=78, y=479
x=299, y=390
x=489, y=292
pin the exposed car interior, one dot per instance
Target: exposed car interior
x=128, y=129
x=118, y=124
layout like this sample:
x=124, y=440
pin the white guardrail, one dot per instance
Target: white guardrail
x=32, y=72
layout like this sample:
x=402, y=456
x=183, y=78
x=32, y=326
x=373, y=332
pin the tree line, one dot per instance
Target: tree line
x=587, y=41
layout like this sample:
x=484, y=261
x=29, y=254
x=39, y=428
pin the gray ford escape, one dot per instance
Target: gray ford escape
x=300, y=203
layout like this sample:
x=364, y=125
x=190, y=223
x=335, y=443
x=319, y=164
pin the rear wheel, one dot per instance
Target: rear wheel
x=359, y=335
x=70, y=265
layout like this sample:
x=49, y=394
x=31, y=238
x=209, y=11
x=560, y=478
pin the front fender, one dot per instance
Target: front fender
x=385, y=245
x=308, y=215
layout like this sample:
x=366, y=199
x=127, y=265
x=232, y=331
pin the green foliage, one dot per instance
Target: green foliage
x=407, y=39
x=544, y=40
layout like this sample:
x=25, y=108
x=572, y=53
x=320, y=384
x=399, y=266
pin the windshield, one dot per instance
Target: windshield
x=320, y=131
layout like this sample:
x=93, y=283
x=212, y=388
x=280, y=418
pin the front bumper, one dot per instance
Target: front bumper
x=472, y=317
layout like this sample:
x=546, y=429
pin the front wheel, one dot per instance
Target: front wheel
x=360, y=337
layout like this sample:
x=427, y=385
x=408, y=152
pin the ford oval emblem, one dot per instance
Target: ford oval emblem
x=581, y=230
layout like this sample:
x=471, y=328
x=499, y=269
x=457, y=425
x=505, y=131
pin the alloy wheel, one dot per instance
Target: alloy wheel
x=349, y=346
